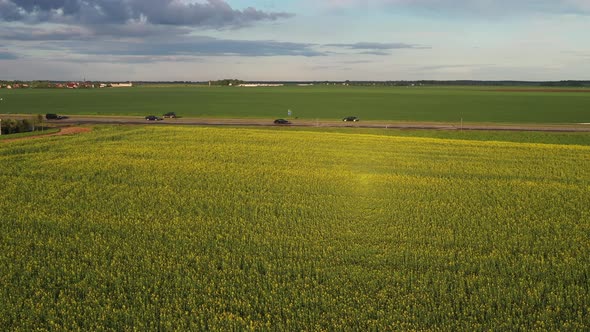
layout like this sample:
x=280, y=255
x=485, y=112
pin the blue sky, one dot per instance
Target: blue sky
x=294, y=39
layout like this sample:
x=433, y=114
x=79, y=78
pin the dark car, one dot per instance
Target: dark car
x=282, y=121
x=170, y=115
x=51, y=116
x=153, y=118
x=350, y=119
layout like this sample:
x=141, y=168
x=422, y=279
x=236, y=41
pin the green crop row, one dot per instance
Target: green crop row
x=178, y=228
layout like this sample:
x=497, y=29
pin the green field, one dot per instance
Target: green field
x=430, y=104
x=187, y=228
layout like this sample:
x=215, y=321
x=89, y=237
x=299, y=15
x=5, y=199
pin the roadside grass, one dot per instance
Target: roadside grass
x=565, y=138
x=28, y=134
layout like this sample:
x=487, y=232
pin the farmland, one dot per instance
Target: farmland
x=420, y=104
x=192, y=228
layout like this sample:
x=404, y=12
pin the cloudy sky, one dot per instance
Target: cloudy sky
x=301, y=40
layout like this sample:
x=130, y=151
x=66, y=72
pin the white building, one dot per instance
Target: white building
x=122, y=85
x=253, y=85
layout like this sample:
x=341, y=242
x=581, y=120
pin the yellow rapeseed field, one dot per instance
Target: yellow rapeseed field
x=184, y=228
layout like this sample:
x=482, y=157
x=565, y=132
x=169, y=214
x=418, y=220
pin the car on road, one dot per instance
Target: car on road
x=52, y=116
x=351, y=119
x=153, y=118
x=170, y=115
x=282, y=121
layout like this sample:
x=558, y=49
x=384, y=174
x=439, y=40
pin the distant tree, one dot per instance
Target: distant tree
x=39, y=120
x=11, y=125
x=228, y=82
x=20, y=126
x=41, y=84
x=26, y=125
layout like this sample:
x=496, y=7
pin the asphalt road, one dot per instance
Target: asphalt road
x=81, y=120
x=131, y=120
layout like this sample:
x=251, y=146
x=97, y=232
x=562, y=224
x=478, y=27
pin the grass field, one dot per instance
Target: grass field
x=429, y=104
x=255, y=229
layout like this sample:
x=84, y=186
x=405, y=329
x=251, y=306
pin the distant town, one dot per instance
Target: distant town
x=4, y=84
x=61, y=85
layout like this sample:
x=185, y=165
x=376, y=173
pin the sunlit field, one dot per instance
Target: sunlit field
x=186, y=228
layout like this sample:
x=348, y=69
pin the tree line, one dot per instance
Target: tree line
x=15, y=126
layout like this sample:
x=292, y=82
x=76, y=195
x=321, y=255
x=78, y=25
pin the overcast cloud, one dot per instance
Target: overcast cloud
x=377, y=46
x=212, y=13
x=294, y=39
x=196, y=46
x=7, y=56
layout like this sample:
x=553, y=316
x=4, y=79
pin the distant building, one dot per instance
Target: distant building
x=122, y=85
x=254, y=85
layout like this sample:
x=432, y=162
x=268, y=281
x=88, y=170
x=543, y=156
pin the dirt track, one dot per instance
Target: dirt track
x=87, y=120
